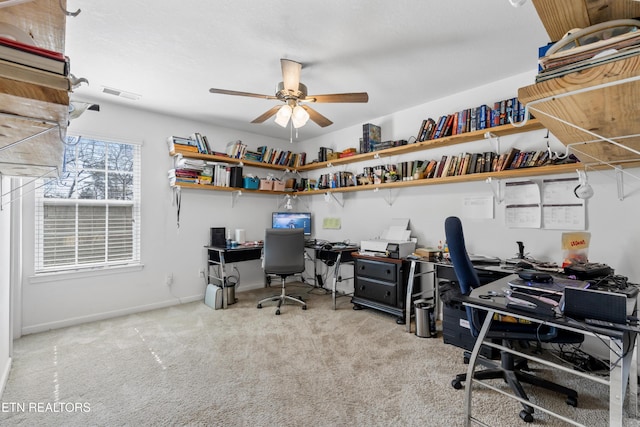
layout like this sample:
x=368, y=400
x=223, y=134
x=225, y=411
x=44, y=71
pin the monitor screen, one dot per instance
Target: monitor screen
x=292, y=220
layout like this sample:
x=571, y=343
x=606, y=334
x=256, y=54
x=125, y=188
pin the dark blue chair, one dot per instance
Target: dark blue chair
x=510, y=369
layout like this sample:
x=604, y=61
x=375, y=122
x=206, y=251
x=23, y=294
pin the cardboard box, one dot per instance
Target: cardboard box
x=278, y=185
x=266, y=184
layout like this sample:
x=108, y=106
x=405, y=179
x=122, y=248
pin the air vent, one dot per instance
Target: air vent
x=120, y=93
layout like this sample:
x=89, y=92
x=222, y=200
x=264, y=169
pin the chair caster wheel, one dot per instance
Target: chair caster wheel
x=457, y=384
x=526, y=416
x=572, y=401
x=259, y=305
x=304, y=307
x=278, y=312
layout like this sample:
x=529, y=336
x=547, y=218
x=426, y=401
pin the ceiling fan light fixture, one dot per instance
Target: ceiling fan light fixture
x=283, y=115
x=299, y=117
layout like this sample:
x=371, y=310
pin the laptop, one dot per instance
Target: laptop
x=555, y=286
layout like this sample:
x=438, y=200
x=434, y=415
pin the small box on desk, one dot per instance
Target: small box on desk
x=456, y=331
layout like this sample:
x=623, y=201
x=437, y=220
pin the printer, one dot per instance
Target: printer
x=395, y=242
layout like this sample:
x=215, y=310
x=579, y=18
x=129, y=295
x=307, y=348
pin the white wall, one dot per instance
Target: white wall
x=60, y=300
x=5, y=284
x=167, y=249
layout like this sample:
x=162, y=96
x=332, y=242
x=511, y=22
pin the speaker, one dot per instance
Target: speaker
x=235, y=177
x=218, y=236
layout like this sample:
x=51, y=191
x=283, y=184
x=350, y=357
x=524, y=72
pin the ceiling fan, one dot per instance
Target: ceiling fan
x=294, y=95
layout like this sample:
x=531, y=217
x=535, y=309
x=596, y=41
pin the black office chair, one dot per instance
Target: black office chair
x=283, y=256
x=511, y=370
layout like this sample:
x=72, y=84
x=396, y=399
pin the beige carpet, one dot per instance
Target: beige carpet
x=191, y=365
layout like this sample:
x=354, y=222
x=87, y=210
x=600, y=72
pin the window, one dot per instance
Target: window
x=89, y=217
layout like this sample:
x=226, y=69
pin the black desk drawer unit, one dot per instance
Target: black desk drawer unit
x=381, y=284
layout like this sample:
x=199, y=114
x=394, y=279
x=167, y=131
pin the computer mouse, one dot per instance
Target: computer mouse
x=524, y=264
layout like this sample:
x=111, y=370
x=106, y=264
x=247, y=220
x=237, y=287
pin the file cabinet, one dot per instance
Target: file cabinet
x=381, y=284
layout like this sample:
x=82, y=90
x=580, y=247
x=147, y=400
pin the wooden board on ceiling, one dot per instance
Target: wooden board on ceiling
x=558, y=17
x=43, y=20
x=611, y=110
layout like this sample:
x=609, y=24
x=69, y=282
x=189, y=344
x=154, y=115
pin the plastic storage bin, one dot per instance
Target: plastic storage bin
x=251, y=183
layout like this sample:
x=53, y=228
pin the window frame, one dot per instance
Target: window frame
x=40, y=201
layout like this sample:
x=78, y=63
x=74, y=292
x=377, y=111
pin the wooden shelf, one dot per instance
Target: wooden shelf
x=405, y=149
x=233, y=161
x=425, y=145
x=30, y=109
x=594, y=111
x=514, y=173
x=229, y=189
x=560, y=16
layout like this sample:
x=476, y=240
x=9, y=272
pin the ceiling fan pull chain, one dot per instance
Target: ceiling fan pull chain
x=291, y=132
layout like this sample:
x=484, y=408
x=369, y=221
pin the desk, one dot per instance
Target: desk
x=220, y=255
x=621, y=345
x=333, y=257
x=443, y=271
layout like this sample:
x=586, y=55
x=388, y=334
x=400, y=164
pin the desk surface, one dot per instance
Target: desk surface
x=499, y=304
x=241, y=247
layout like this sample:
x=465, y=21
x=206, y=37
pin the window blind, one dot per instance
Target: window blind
x=90, y=216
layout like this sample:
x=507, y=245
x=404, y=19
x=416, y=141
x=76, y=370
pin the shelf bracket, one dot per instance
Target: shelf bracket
x=490, y=136
x=235, y=195
x=330, y=195
x=390, y=200
x=11, y=200
x=66, y=12
x=620, y=183
x=496, y=188
x=53, y=125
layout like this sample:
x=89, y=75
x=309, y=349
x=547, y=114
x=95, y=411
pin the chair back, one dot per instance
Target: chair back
x=466, y=274
x=284, y=251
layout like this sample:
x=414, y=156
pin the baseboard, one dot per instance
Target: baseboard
x=107, y=315
x=5, y=376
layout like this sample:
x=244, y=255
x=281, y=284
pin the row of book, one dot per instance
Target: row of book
x=197, y=143
x=32, y=64
x=336, y=180
x=472, y=119
x=462, y=164
x=204, y=172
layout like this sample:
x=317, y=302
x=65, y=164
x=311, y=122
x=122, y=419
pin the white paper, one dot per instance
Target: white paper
x=561, y=209
x=478, y=207
x=522, y=204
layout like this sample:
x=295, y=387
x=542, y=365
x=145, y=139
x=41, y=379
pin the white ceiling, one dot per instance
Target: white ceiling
x=402, y=52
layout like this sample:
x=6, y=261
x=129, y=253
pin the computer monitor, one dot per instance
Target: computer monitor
x=292, y=220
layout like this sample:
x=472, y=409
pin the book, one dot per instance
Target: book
x=371, y=135
x=177, y=144
x=421, y=130
x=511, y=154
x=22, y=73
x=438, y=131
x=33, y=56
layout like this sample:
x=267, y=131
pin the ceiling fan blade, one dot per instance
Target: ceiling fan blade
x=271, y=112
x=339, y=97
x=235, y=92
x=321, y=120
x=291, y=74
